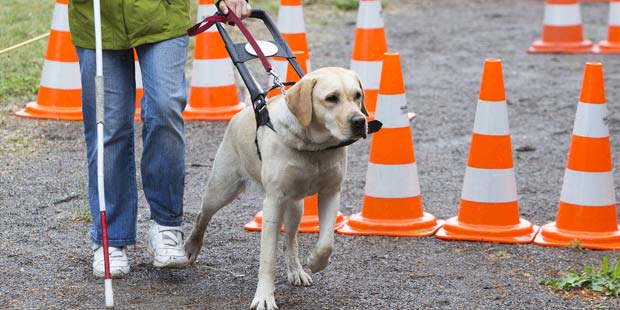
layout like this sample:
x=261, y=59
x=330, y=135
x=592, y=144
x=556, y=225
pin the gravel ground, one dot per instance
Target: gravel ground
x=45, y=258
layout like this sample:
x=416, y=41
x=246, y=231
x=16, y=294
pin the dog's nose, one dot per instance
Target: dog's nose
x=358, y=124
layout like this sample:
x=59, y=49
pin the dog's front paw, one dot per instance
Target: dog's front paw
x=319, y=258
x=264, y=301
x=317, y=264
x=192, y=248
x=299, y=278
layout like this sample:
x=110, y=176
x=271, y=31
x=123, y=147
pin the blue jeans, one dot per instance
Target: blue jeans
x=163, y=136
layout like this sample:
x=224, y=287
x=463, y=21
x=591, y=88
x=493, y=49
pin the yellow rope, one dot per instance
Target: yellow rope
x=23, y=43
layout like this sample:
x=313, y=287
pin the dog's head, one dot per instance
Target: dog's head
x=329, y=102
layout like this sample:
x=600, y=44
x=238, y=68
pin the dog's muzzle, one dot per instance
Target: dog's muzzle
x=358, y=126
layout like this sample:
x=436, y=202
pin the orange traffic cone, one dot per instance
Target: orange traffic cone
x=139, y=88
x=562, y=30
x=309, y=221
x=489, y=209
x=612, y=44
x=587, y=208
x=213, y=93
x=60, y=90
x=369, y=46
x=392, y=203
x=291, y=25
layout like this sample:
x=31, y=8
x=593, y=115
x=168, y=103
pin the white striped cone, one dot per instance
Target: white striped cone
x=587, y=207
x=489, y=210
x=368, y=48
x=60, y=90
x=392, y=200
x=612, y=44
x=291, y=25
x=562, y=30
x=213, y=93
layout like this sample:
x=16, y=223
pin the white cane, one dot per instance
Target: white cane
x=100, y=104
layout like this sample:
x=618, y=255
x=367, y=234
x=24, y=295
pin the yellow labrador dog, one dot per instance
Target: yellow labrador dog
x=320, y=112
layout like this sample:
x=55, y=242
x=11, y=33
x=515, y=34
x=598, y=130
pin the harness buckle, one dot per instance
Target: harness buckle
x=277, y=81
x=261, y=113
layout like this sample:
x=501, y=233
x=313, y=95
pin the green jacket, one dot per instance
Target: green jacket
x=128, y=23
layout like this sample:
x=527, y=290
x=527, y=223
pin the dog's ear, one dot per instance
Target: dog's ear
x=363, y=107
x=299, y=100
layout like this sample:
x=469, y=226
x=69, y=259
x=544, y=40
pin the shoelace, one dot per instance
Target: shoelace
x=171, y=237
x=116, y=252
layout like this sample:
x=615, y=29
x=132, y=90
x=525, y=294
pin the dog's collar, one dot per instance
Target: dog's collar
x=341, y=144
x=373, y=126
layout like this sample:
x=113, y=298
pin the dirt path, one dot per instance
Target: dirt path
x=44, y=252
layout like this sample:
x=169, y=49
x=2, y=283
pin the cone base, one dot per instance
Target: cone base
x=606, y=47
x=424, y=226
x=539, y=46
x=524, y=232
x=34, y=110
x=551, y=235
x=308, y=224
x=212, y=113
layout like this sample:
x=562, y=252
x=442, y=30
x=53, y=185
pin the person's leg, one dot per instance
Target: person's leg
x=119, y=162
x=163, y=137
x=163, y=133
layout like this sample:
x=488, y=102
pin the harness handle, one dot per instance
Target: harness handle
x=239, y=55
x=221, y=18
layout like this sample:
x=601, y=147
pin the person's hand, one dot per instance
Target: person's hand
x=240, y=7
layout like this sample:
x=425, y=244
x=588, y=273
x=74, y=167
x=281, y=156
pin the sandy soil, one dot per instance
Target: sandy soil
x=45, y=259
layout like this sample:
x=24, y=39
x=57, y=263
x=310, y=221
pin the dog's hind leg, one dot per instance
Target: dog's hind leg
x=223, y=186
x=329, y=204
x=295, y=273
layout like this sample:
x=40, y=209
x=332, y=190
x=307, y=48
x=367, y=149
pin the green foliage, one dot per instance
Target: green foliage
x=20, y=69
x=501, y=254
x=603, y=280
x=575, y=244
x=82, y=215
x=348, y=5
x=270, y=6
x=345, y=5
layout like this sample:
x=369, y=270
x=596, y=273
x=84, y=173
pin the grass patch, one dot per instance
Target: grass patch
x=605, y=280
x=575, y=244
x=493, y=253
x=21, y=68
x=82, y=215
x=345, y=5
x=270, y=6
x=349, y=5
x=501, y=254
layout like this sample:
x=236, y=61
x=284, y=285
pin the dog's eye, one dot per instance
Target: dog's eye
x=357, y=96
x=332, y=98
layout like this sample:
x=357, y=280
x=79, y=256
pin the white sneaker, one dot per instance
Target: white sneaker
x=119, y=264
x=165, y=243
